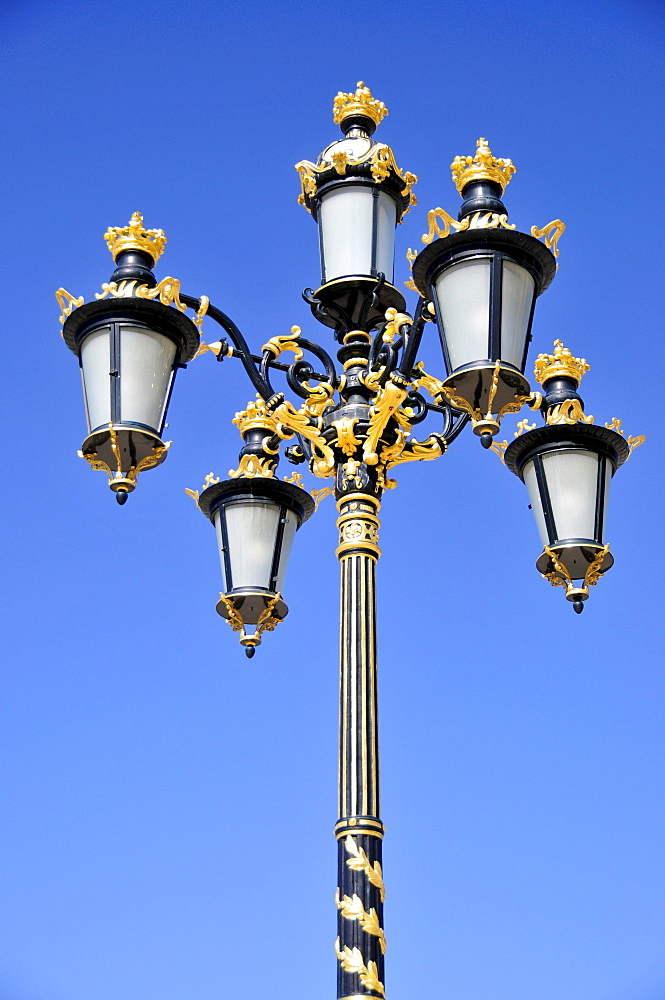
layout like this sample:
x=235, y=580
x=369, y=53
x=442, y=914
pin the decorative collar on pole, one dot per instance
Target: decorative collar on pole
x=482, y=167
x=134, y=237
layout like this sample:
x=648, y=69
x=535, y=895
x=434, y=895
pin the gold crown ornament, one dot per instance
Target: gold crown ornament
x=360, y=103
x=482, y=167
x=561, y=364
x=134, y=237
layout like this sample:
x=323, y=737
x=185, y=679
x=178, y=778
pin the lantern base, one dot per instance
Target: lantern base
x=486, y=389
x=355, y=302
x=577, y=559
x=122, y=452
x=250, y=605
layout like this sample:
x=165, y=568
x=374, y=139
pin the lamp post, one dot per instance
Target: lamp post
x=478, y=280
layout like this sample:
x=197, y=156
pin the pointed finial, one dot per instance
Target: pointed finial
x=482, y=167
x=361, y=103
x=134, y=237
x=561, y=364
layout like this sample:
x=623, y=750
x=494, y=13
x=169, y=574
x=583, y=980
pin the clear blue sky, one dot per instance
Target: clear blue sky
x=168, y=806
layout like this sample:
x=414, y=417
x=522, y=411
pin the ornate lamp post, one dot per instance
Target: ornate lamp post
x=478, y=282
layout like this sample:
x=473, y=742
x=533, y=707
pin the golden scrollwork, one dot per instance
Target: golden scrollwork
x=134, y=237
x=167, y=291
x=351, y=960
x=351, y=908
x=523, y=426
x=482, y=166
x=285, y=342
x=561, y=364
x=210, y=480
x=499, y=448
x=633, y=442
x=318, y=495
x=593, y=573
x=394, y=320
x=194, y=494
x=568, y=412
x=437, y=215
x=148, y=461
x=204, y=302
x=235, y=618
x=489, y=220
x=347, y=441
x=254, y=467
x=386, y=403
x=430, y=383
x=359, y=103
x=359, y=862
x=215, y=349
x=266, y=621
x=552, y=232
x=291, y=421
x=381, y=161
x=67, y=303
x=560, y=576
x=295, y=478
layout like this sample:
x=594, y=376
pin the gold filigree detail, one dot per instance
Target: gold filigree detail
x=437, y=215
x=523, y=426
x=552, y=232
x=67, y=303
x=291, y=421
x=295, y=478
x=499, y=448
x=285, y=342
x=386, y=404
x=593, y=573
x=215, y=349
x=254, y=467
x=560, y=576
x=561, y=364
x=148, y=461
x=394, y=320
x=194, y=494
x=167, y=291
x=433, y=385
x=359, y=862
x=381, y=160
x=482, y=167
x=351, y=908
x=318, y=495
x=266, y=621
x=347, y=441
x=210, y=480
x=204, y=302
x=235, y=618
x=568, y=412
x=632, y=442
x=359, y=103
x=134, y=237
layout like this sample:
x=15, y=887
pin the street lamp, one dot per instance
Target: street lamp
x=478, y=279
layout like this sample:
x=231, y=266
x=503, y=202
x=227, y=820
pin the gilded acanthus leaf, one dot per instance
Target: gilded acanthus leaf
x=360, y=862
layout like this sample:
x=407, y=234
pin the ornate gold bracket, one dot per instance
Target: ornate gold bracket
x=386, y=403
x=67, y=303
x=560, y=577
x=479, y=220
x=291, y=421
x=568, y=412
x=552, y=232
x=266, y=622
x=286, y=342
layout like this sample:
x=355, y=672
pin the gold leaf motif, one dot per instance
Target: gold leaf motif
x=523, y=426
x=318, y=495
x=360, y=862
x=594, y=573
x=351, y=908
x=286, y=342
x=568, y=412
x=386, y=402
x=347, y=441
x=499, y=448
x=254, y=467
x=167, y=291
x=351, y=960
x=635, y=442
x=194, y=494
x=437, y=215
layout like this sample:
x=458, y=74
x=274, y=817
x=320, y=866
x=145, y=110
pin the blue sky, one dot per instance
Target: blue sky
x=169, y=805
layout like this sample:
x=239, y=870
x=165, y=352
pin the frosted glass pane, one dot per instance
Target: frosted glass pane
x=346, y=232
x=529, y=473
x=571, y=480
x=463, y=296
x=517, y=291
x=287, y=543
x=146, y=364
x=251, y=529
x=96, y=365
x=385, y=236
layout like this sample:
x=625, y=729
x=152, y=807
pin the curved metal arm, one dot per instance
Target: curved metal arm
x=412, y=336
x=260, y=382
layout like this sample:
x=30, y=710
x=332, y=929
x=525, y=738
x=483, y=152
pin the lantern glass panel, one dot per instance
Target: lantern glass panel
x=357, y=232
x=463, y=299
x=517, y=291
x=251, y=530
x=146, y=369
x=572, y=484
x=95, y=367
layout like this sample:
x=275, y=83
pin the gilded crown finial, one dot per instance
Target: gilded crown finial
x=482, y=167
x=360, y=103
x=135, y=237
x=561, y=364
